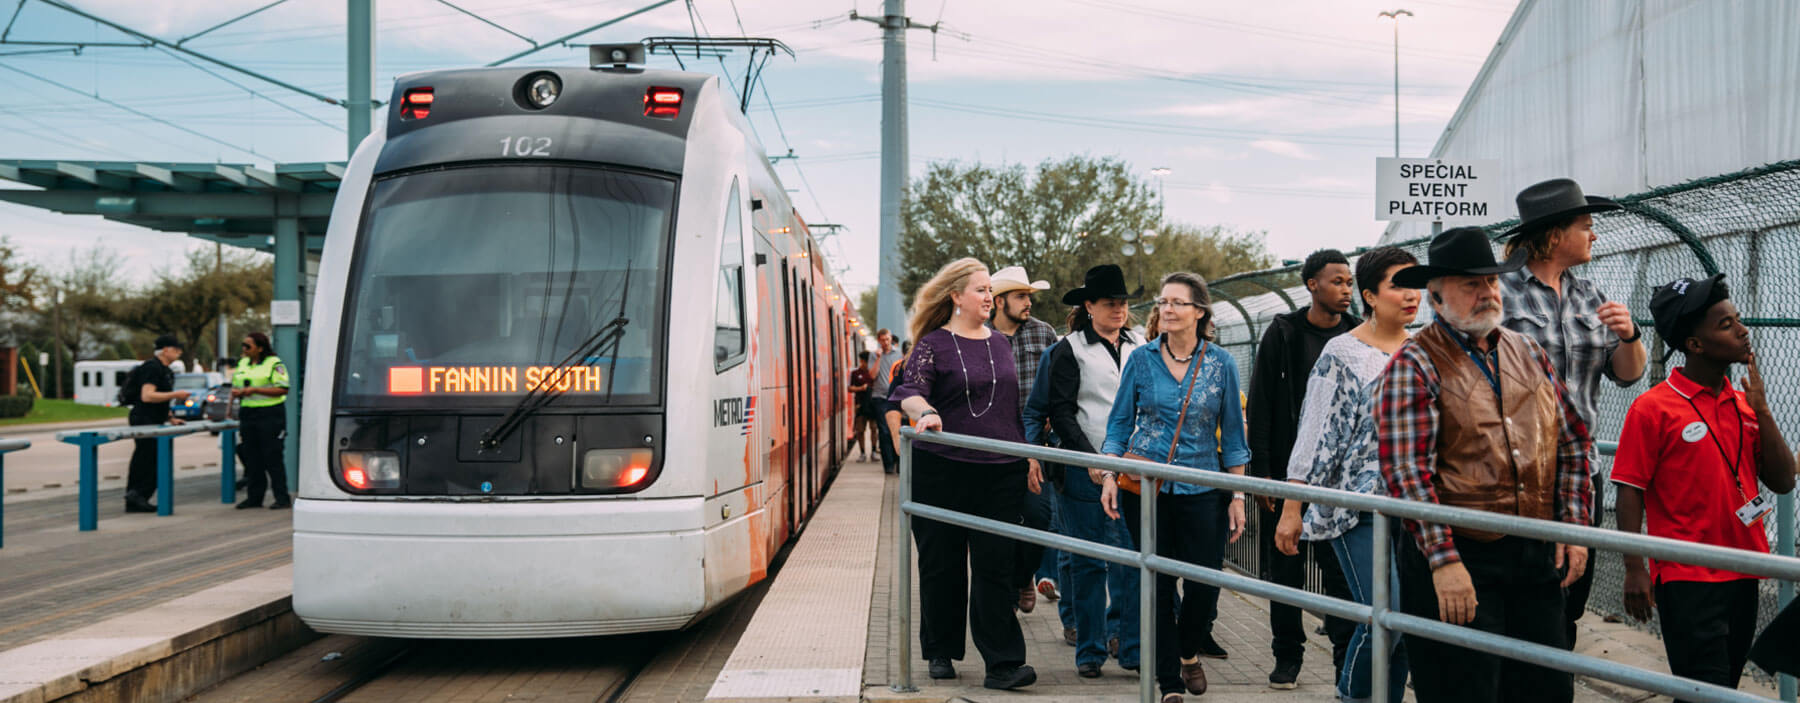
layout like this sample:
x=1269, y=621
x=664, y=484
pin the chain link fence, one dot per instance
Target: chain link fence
x=1745, y=225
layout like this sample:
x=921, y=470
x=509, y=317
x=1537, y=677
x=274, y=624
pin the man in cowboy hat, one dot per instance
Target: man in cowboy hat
x=1587, y=336
x=1029, y=337
x=1471, y=414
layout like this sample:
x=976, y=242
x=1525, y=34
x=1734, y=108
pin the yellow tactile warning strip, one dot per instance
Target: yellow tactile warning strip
x=806, y=640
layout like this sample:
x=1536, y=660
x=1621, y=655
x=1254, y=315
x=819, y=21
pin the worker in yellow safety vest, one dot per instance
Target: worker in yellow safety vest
x=261, y=384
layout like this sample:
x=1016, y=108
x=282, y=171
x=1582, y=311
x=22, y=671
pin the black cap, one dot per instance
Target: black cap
x=1678, y=305
x=168, y=340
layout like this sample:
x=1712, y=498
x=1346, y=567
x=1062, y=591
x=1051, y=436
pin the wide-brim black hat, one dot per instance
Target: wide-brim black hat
x=1546, y=202
x=1460, y=251
x=1103, y=281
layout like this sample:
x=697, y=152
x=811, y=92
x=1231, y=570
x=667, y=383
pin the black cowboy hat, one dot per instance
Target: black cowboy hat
x=1103, y=281
x=1551, y=200
x=1460, y=251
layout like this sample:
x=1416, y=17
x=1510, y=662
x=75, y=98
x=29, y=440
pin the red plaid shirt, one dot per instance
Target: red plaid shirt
x=1406, y=416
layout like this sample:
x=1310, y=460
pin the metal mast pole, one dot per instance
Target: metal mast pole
x=889, y=309
x=1396, y=14
x=360, y=65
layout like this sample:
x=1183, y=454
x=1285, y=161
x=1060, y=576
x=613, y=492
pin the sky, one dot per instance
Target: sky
x=1269, y=116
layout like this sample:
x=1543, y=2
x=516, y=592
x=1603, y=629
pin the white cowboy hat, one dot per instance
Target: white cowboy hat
x=1013, y=278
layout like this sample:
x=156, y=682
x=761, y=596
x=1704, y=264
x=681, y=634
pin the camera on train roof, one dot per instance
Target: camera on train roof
x=617, y=55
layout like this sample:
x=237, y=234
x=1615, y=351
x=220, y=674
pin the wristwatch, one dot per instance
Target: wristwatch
x=1114, y=475
x=1637, y=333
x=928, y=411
x=1237, y=495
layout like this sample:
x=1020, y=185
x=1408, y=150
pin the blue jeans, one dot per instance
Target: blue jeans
x=1355, y=553
x=1091, y=579
x=1055, y=563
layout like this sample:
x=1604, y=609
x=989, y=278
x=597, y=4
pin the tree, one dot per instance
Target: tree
x=1057, y=220
x=865, y=306
x=187, y=303
x=18, y=278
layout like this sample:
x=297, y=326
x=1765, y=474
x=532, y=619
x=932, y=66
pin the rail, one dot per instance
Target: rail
x=89, y=441
x=7, y=446
x=1382, y=619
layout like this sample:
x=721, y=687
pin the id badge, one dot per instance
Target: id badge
x=1755, y=510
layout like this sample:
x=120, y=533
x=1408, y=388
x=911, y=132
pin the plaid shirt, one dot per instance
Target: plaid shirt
x=1028, y=345
x=1568, y=328
x=1406, y=415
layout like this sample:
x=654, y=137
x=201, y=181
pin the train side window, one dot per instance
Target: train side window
x=728, y=307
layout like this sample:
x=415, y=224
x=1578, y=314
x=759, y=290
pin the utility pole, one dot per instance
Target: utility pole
x=56, y=332
x=1396, y=14
x=890, y=311
x=221, y=350
x=360, y=63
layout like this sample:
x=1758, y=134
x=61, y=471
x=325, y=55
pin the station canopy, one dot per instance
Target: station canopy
x=234, y=204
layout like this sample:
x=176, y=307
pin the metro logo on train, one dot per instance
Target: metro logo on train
x=412, y=380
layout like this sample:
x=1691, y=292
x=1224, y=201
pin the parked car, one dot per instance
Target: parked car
x=219, y=405
x=197, y=385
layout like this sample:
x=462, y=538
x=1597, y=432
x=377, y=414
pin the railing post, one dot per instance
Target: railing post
x=227, y=466
x=903, y=572
x=1380, y=566
x=88, y=513
x=1146, y=590
x=165, y=475
x=1784, y=537
x=2, y=500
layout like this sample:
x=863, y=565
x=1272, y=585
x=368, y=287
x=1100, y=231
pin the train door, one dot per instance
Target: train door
x=791, y=405
x=808, y=382
x=771, y=329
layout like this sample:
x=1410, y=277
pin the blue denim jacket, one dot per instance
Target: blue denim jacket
x=1149, y=401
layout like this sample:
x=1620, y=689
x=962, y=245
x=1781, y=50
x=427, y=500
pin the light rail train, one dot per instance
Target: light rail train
x=576, y=366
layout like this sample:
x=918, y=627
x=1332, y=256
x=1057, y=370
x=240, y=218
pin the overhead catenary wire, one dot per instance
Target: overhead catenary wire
x=252, y=92
x=127, y=108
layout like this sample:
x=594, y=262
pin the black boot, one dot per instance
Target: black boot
x=250, y=503
x=135, y=503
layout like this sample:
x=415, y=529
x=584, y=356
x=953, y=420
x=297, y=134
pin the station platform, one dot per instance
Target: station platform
x=822, y=632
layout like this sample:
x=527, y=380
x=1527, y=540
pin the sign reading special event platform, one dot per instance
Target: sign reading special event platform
x=1438, y=190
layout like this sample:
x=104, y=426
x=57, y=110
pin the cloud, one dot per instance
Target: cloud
x=1281, y=147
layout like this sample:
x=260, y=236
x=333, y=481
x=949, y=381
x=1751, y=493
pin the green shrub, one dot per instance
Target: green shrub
x=15, y=405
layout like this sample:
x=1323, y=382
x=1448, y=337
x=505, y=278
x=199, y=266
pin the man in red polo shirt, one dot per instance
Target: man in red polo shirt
x=1690, y=456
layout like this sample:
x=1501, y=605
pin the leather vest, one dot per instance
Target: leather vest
x=1497, y=455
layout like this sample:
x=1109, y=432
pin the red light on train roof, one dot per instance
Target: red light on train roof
x=416, y=103
x=662, y=102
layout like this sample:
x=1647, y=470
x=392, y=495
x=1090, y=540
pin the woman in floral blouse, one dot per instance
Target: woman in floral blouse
x=1337, y=449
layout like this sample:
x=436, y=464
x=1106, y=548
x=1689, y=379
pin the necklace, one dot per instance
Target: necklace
x=993, y=377
x=1179, y=359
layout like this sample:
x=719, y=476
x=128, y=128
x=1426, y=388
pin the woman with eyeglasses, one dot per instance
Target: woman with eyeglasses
x=960, y=378
x=1178, y=403
x=261, y=385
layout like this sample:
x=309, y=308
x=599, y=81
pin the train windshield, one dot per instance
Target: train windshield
x=474, y=287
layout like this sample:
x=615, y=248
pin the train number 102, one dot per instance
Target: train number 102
x=525, y=146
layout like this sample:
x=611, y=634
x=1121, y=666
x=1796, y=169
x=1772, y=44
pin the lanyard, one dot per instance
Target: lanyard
x=1480, y=362
x=1731, y=463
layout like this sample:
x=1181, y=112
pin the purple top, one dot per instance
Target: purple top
x=982, y=401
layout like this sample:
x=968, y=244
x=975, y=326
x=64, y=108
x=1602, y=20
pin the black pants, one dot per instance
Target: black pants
x=1289, y=636
x=1707, y=628
x=1518, y=594
x=261, y=436
x=1575, y=597
x=890, y=457
x=962, y=570
x=1190, y=528
x=141, y=479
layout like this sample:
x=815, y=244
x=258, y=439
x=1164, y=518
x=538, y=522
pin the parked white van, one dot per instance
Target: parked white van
x=97, y=382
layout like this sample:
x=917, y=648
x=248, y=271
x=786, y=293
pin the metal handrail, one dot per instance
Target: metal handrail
x=6, y=446
x=1379, y=616
x=89, y=441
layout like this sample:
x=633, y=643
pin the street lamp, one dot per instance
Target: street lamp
x=1396, y=14
x=1159, y=172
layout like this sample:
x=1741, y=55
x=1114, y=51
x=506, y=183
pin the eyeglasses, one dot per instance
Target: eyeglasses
x=1167, y=303
x=243, y=346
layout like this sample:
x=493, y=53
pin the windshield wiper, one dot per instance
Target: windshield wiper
x=546, y=391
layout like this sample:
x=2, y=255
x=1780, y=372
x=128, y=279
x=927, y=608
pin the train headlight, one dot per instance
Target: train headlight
x=615, y=468
x=543, y=91
x=366, y=471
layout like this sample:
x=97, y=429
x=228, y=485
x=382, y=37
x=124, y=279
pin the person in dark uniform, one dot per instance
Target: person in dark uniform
x=154, y=384
x=261, y=384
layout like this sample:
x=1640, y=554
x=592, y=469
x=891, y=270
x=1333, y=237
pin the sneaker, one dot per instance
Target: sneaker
x=1027, y=599
x=1112, y=647
x=133, y=504
x=1069, y=636
x=249, y=503
x=1171, y=698
x=1047, y=589
x=1210, y=649
x=1018, y=677
x=281, y=504
x=1286, y=675
x=941, y=668
x=1088, y=671
x=1193, y=676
